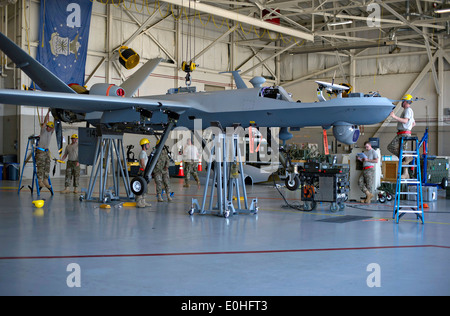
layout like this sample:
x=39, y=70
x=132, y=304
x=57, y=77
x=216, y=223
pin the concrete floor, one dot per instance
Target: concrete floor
x=163, y=251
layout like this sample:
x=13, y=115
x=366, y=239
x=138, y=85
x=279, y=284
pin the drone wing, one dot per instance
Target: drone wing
x=43, y=77
x=86, y=103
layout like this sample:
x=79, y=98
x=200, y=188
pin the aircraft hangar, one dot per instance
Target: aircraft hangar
x=268, y=239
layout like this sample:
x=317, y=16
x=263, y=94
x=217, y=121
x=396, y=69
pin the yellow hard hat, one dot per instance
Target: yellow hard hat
x=51, y=124
x=144, y=141
x=407, y=97
x=74, y=136
x=38, y=203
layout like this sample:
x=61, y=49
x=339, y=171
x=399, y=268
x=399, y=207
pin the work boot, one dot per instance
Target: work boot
x=169, y=199
x=141, y=203
x=41, y=184
x=186, y=185
x=75, y=190
x=369, y=197
x=160, y=199
x=66, y=190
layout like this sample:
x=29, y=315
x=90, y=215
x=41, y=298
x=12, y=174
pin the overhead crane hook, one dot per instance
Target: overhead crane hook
x=188, y=68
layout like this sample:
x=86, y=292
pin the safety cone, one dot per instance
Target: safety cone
x=199, y=168
x=180, y=170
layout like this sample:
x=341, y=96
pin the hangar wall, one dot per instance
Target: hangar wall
x=111, y=26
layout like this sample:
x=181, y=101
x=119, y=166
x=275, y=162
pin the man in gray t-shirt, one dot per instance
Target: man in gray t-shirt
x=405, y=123
x=367, y=177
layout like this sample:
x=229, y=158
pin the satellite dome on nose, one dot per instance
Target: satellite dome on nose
x=257, y=82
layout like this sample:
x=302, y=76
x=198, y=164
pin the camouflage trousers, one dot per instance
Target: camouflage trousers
x=394, y=145
x=162, y=181
x=366, y=180
x=190, y=168
x=72, y=171
x=42, y=164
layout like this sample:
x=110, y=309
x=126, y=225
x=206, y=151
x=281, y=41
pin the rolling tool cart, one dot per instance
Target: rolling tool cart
x=324, y=185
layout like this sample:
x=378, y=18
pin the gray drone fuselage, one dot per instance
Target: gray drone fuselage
x=248, y=105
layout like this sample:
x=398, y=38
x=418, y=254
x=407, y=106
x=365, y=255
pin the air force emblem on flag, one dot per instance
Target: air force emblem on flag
x=63, y=46
x=63, y=38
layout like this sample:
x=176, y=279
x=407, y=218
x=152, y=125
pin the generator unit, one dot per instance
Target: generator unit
x=324, y=185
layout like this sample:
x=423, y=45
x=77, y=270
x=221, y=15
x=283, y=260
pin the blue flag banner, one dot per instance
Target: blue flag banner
x=63, y=38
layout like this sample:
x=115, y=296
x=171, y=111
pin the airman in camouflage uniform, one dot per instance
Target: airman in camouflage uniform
x=42, y=153
x=161, y=175
x=366, y=180
x=73, y=166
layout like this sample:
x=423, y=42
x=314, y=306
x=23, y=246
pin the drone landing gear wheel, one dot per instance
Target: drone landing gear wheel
x=138, y=185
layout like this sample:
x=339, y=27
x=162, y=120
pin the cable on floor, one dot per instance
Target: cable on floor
x=289, y=205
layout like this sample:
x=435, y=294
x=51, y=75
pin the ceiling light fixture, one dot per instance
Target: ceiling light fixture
x=340, y=23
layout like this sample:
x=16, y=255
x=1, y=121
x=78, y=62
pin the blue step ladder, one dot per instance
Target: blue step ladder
x=31, y=150
x=400, y=207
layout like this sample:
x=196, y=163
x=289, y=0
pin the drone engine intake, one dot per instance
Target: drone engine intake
x=106, y=89
x=346, y=133
x=103, y=89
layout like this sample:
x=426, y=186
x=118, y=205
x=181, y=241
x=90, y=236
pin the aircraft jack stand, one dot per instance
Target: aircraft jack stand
x=31, y=146
x=225, y=179
x=106, y=146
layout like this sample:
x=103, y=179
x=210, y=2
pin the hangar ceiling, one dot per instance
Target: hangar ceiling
x=344, y=28
x=333, y=22
x=332, y=25
x=325, y=25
